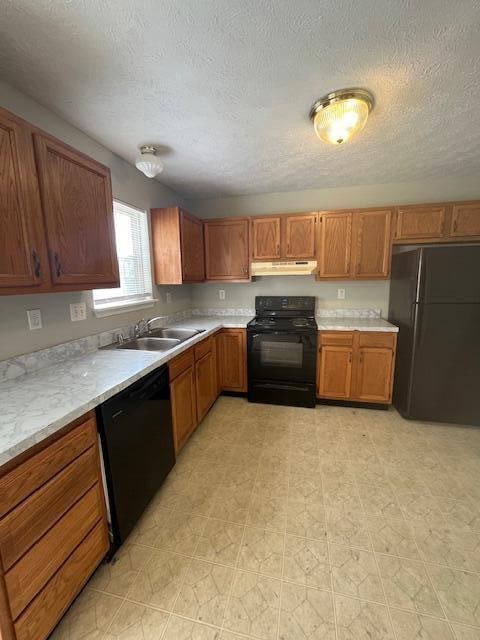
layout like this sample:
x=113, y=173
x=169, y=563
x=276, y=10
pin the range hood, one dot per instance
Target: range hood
x=288, y=268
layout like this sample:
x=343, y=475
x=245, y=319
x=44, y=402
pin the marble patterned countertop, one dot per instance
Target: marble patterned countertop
x=355, y=324
x=37, y=405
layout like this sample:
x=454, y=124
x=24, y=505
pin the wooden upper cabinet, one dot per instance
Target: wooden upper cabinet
x=78, y=209
x=300, y=236
x=226, y=249
x=23, y=258
x=414, y=223
x=265, y=238
x=178, y=247
x=465, y=221
x=334, y=245
x=371, y=246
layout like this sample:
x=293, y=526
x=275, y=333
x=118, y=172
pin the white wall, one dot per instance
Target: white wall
x=129, y=186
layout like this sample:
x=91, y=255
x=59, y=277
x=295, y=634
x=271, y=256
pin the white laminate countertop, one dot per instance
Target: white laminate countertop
x=355, y=324
x=36, y=405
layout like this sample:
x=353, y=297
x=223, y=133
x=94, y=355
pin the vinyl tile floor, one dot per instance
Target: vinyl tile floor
x=300, y=524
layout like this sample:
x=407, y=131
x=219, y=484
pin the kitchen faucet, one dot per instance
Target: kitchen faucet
x=143, y=326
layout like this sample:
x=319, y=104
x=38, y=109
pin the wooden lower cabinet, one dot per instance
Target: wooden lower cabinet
x=205, y=384
x=184, y=406
x=356, y=365
x=53, y=530
x=232, y=360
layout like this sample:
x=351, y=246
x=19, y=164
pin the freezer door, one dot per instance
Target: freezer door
x=450, y=274
x=445, y=382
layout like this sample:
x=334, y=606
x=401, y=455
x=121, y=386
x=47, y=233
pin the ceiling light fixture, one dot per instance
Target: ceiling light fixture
x=340, y=115
x=148, y=162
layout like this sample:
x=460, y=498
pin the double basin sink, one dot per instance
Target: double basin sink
x=159, y=339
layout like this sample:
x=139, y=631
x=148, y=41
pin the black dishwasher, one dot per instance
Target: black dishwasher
x=138, y=452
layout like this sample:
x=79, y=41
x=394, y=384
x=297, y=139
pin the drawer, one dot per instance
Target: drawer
x=336, y=338
x=44, y=612
x=31, y=573
x=180, y=364
x=19, y=483
x=203, y=348
x=380, y=339
x=28, y=522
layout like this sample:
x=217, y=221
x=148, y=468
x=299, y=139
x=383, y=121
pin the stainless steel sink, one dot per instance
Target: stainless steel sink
x=149, y=344
x=177, y=334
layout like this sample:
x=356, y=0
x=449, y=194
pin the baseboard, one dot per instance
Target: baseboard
x=353, y=404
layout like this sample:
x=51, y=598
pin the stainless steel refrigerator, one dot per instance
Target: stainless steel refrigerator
x=435, y=301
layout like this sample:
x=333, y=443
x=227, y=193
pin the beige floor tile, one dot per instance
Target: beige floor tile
x=153, y=520
x=198, y=500
x=407, y=585
x=182, y=629
x=160, y=580
x=359, y=619
x=220, y=542
x=458, y=548
x=306, y=519
x=354, y=573
x=231, y=505
x=204, y=592
x=306, y=614
x=137, y=622
x=267, y=513
x=379, y=501
x=253, y=607
x=306, y=562
x=341, y=495
x=307, y=486
x=229, y=635
x=466, y=633
x=411, y=626
x=271, y=483
x=239, y=478
x=417, y=506
x=459, y=593
x=461, y=513
x=393, y=537
x=262, y=551
x=349, y=528
x=180, y=533
x=116, y=577
x=88, y=618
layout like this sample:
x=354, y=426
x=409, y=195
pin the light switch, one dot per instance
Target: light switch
x=340, y=294
x=78, y=311
x=221, y=294
x=168, y=297
x=34, y=317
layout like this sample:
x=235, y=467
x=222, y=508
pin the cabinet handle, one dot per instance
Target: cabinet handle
x=58, y=266
x=278, y=249
x=361, y=357
x=288, y=248
x=37, y=267
x=455, y=225
x=350, y=356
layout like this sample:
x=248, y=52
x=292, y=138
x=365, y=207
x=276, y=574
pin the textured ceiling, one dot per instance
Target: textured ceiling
x=226, y=85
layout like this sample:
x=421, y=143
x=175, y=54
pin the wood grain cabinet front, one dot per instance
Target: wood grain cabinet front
x=178, y=246
x=232, y=360
x=56, y=214
x=227, y=249
x=53, y=530
x=288, y=237
x=265, y=237
x=356, y=365
x=184, y=406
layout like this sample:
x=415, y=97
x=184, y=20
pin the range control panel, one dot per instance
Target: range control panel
x=299, y=304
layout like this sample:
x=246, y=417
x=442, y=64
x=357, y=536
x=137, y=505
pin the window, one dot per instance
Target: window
x=133, y=251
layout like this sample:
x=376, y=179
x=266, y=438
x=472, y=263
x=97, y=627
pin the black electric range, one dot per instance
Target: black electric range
x=282, y=351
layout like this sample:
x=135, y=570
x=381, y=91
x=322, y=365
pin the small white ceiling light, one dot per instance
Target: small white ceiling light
x=341, y=115
x=148, y=162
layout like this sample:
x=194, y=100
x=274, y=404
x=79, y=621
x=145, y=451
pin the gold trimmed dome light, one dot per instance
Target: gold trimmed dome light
x=341, y=115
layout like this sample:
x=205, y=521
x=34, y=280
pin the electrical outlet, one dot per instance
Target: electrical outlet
x=221, y=294
x=340, y=294
x=34, y=317
x=78, y=311
x=168, y=297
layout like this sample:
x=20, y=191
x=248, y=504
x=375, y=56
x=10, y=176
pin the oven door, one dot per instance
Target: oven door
x=282, y=355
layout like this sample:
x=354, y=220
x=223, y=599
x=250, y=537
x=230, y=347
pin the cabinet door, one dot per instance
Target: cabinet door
x=232, y=360
x=193, y=252
x=265, y=238
x=184, y=408
x=226, y=249
x=371, y=247
x=78, y=207
x=335, y=245
x=374, y=369
x=335, y=372
x=23, y=262
x=419, y=223
x=206, y=385
x=300, y=236
x=465, y=221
